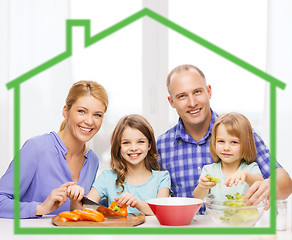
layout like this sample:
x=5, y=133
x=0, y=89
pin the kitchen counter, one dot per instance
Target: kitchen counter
x=6, y=230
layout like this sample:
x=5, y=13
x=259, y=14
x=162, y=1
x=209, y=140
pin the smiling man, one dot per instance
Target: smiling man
x=184, y=149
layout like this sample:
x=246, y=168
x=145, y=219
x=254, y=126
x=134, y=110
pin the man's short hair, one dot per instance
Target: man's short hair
x=181, y=68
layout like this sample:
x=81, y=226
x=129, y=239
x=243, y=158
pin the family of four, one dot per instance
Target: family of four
x=57, y=169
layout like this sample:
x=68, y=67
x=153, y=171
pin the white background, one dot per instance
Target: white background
x=133, y=63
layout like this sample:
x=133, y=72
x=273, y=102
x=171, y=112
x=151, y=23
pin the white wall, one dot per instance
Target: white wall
x=5, y=104
x=279, y=65
x=34, y=31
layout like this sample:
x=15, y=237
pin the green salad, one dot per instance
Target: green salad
x=237, y=217
x=213, y=179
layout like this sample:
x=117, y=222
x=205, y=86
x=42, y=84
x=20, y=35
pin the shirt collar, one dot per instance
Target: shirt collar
x=60, y=143
x=182, y=134
x=62, y=146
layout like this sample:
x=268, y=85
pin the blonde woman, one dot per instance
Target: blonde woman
x=233, y=150
x=53, y=162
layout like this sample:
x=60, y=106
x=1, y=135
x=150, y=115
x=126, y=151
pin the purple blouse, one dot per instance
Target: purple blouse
x=43, y=168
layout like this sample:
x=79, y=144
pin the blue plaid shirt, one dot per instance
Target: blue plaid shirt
x=184, y=157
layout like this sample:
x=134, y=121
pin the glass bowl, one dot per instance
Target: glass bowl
x=233, y=213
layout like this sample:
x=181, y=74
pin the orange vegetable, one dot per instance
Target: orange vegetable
x=92, y=216
x=121, y=210
x=62, y=219
x=88, y=214
x=91, y=211
x=108, y=212
x=70, y=215
x=79, y=212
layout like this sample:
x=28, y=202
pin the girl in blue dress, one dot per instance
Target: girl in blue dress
x=233, y=151
x=135, y=175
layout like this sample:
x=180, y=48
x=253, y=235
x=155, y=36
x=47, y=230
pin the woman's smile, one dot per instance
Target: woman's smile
x=84, y=129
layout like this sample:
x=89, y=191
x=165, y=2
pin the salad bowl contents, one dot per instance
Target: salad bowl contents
x=232, y=212
x=175, y=211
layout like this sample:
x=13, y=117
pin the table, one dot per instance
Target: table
x=6, y=230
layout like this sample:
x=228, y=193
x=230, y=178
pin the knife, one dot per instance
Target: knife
x=87, y=203
x=109, y=213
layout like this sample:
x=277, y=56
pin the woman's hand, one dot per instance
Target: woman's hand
x=56, y=198
x=75, y=192
x=235, y=178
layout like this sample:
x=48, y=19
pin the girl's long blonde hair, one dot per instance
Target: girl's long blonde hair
x=239, y=126
x=118, y=163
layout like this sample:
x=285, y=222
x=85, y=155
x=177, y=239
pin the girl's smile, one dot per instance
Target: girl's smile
x=134, y=146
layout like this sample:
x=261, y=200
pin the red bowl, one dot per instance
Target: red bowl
x=175, y=211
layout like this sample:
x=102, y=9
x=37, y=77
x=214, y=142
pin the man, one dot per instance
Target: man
x=184, y=149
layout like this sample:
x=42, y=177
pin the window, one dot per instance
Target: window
x=240, y=29
x=115, y=62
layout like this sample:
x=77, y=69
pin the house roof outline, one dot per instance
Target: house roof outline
x=90, y=40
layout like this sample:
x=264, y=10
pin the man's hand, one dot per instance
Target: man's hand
x=259, y=191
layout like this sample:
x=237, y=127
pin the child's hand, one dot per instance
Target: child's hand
x=206, y=183
x=75, y=192
x=235, y=178
x=127, y=199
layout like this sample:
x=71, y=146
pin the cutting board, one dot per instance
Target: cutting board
x=130, y=221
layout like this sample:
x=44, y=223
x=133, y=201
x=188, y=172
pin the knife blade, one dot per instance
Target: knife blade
x=87, y=203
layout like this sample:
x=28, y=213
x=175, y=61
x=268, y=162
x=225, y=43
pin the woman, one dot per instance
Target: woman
x=52, y=162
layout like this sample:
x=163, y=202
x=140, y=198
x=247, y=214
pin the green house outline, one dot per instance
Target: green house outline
x=90, y=40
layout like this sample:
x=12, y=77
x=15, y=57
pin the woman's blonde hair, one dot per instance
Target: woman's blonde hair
x=239, y=126
x=118, y=163
x=85, y=88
